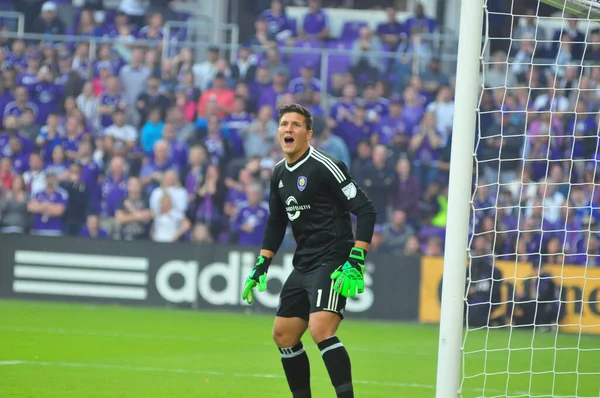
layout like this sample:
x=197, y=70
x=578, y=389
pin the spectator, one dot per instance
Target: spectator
x=133, y=77
x=413, y=246
x=357, y=129
x=152, y=98
x=434, y=247
x=197, y=164
x=201, y=234
x=315, y=25
x=154, y=29
x=88, y=103
x=19, y=158
x=78, y=203
x=170, y=223
x=87, y=25
x=333, y=145
x=209, y=201
x=443, y=107
x=483, y=292
x=342, y=109
x=251, y=218
x=35, y=177
x=278, y=22
x=171, y=186
x=413, y=110
x=377, y=181
x=135, y=10
x=236, y=195
x=219, y=94
x=270, y=94
x=205, y=72
x=133, y=214
x=244, y=68
x=21, y=102
x=6, y=175
x=49, y=23
x=424, y=147
x=259, y=139
x=497, y=75
x=14, y=217
x=110, y=100
x=151, y=130
x=419, y=22
x=48, y=207
x=112, y=190
x=407, y=192
x=123, y=134
x=366, y=63
x=59, y=164
x=92, y=229
x=396, y=234
x=390, y=32
x=433, y=77
x=262, y=37
x=539, y=302
x=235, y=126
x=28, y=78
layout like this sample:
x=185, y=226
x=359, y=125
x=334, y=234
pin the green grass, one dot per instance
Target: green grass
x=104, y=351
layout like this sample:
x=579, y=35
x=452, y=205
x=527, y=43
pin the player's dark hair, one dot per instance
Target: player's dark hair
x=297, y=108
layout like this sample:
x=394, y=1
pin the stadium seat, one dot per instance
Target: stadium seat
x=300, y=58
x=351, y=29
x=340, y=62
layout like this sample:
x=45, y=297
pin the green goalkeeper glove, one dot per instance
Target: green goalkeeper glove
x=349, y=277
x=258, y=277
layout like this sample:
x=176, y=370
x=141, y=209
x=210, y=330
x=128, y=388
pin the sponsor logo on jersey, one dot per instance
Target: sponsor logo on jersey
x=280, y=184
x=349, y=190
x=301, y=183
x=293, y=209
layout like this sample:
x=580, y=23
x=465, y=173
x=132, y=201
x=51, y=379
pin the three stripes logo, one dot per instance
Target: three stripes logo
x=81, y=275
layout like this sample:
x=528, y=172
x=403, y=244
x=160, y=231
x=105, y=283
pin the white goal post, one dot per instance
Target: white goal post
x=549, y=101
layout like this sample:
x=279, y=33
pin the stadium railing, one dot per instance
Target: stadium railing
x=13, y=15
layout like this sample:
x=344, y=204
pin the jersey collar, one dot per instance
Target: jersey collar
x=299, y=162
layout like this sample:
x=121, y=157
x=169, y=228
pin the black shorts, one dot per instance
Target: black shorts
x=306, y=292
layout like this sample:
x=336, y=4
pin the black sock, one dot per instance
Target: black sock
x=337, y=362
x=297, y=370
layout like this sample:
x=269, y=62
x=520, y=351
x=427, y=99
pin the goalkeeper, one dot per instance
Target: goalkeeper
x=316, y=194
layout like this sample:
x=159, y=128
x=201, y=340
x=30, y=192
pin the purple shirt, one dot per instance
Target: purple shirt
x=277, y=24
x=192, y=180
x=15, y=61
x=112, y=100
x=389, y=127
x=298, y=85
x=412, y=116
x=234, y=125
x=425, y=152
x=390, y=28
x=20, y=162
x=61, y=80
x=113, y=65
x=12, y=108
x=71, y=143
x=89, y=177
x=44, y=223
x=151, y=168
x=111, y=194
x=47, y=96
x=268, y=96
x=179, y=154
x=380, y=108
x=427, y=24
x=58, y=168
x=314, y=23
x=235, y=198
x=27, y=145
x=352, y=134
x=335, y=112
x=255, y=216
x=27, y=80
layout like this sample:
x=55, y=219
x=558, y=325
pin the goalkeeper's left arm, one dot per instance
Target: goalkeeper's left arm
x=349, y=279
x=274, y=234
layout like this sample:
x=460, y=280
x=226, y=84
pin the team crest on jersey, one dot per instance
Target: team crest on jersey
x=302, y=183
x=349, y=190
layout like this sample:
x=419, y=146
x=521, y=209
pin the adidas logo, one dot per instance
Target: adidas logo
x=280, y=184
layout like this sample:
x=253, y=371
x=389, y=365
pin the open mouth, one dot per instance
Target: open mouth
x=288, y=140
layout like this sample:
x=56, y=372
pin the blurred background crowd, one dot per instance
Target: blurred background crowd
x=127, y=143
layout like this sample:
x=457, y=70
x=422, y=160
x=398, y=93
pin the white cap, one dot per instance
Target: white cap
x=49, y=6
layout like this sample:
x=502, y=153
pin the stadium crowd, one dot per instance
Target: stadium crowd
x=132, y=147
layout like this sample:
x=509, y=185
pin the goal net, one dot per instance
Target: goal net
x=532, y=298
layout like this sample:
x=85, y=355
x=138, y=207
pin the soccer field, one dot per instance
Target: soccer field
x=62, y=350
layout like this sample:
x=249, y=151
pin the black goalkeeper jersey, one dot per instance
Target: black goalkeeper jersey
x=317, y=194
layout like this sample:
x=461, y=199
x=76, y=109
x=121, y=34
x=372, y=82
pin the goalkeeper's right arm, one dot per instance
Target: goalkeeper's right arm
x=274, y=234
x=276, y=224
